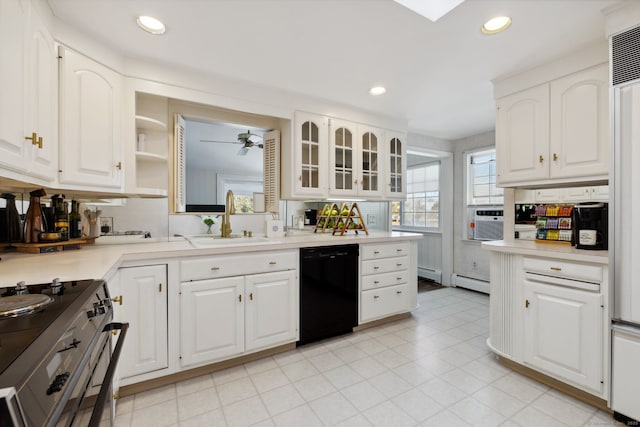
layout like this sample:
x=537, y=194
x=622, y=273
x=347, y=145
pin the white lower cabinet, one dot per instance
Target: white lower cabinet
x=271, y=309
x=144, y=307
x=230, y=316
x=211, y=319
x=552, y=316
x=564, y=335
x=387, y=280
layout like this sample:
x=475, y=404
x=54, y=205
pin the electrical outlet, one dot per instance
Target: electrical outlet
x=371, y=219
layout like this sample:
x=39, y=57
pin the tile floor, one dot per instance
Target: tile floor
x=432, y=369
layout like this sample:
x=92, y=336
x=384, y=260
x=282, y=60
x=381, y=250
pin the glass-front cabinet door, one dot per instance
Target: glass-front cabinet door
x=396, y=186
x=344, y=173
x=310, y=161
x=369, y=181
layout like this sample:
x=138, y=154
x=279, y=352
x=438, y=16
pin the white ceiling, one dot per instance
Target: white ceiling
x=438, y=74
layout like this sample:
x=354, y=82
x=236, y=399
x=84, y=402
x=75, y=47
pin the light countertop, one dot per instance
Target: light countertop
x=101, y=261
x=549, y=250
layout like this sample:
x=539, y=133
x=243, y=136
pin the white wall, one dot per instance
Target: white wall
x=467, y=252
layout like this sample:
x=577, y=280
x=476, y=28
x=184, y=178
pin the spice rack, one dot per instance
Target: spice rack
x=340, y=219
x=554, y=224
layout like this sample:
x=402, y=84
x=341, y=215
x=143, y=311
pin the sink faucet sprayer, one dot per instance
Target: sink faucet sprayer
x=229, y=209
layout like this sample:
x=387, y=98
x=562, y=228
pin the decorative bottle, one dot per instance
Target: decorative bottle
x=75, y=221
x=34, y=223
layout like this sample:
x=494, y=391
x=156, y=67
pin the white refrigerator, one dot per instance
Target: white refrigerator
x=625, y=256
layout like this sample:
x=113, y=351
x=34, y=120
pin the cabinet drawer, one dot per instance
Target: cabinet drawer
x=571, y=270
x=377, y=266
x=378, y=303
x=236, y=265
x=384, y=250
x=386, y=279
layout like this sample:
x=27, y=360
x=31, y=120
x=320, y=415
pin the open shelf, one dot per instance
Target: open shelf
x=148, y=123
x=150, y=157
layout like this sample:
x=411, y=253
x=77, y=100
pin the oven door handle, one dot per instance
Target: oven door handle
x=111, y=370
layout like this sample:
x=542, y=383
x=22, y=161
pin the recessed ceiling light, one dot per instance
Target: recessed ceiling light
x=150, y=24
x=377, y=90
x=496, y=25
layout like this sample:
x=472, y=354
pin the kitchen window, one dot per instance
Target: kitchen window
x=421, y=209
x=481, y=179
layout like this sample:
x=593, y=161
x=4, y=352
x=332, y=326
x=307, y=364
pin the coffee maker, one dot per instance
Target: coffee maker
x=591, y=225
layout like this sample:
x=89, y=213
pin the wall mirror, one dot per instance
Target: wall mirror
x=222, y=150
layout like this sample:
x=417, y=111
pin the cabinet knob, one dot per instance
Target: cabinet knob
x=398, y=250
x=526, y=303
x=272, y=263
x=398, y=292
x=376, y=296
x=376, y=267
x=376, y=252
x=119, y=166
x=541, y=159
x=398, y=278
x=399, y=264
x=117, y=299
x=375, y=282
x=251, y=296
x=240, y=298
x=555, y=157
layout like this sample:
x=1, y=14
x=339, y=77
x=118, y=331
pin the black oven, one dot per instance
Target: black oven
x=55, y=355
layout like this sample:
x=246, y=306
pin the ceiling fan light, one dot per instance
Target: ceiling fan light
x=150, y=24
x=496, y=25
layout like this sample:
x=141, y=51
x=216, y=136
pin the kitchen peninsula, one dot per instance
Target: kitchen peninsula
x=159, y=286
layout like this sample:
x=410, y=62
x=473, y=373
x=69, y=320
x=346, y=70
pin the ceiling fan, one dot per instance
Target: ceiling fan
x=247, y=139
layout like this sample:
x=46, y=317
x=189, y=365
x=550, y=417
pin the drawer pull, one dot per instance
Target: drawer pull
x=376, y=296
x=398, y=292
x=398, y=278
x=240, y=298
x=399, y=264
x=215, y=268
x=376, y=267
x=272, y=263
x=117, y=299
x=376, y=252
x=251, y=296
x=526, y=303
x=375, y=282
x=555, y=268
x=398, y=250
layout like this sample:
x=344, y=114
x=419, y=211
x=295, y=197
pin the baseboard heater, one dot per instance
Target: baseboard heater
x=470, y=283
x=431, y=274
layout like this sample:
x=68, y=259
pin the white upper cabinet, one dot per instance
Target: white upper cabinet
x=354, y=159
x=579, y=125
x=522, y=136
x=28, y=105
x=305, y=158
x=556, y=132
x=396, y=174
x=90, y=123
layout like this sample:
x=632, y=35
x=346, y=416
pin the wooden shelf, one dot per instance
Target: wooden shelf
x=148, y=123
x=150, y=157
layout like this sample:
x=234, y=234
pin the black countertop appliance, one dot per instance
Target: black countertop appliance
x=591, y=224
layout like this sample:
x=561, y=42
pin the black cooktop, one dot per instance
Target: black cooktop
x=17, y=333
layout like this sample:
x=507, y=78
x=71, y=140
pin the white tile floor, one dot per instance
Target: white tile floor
x=432, y=369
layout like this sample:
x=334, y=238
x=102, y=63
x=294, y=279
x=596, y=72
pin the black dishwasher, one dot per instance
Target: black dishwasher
x=328, y=291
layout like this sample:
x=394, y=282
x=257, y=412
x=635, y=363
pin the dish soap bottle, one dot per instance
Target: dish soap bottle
x=34, y=223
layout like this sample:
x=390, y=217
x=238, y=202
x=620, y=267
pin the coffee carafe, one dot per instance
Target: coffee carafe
x=35, y=222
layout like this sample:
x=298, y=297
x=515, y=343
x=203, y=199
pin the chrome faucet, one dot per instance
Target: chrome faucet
x=229, y=209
